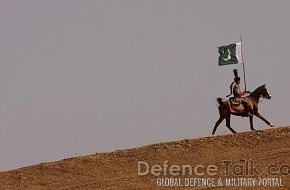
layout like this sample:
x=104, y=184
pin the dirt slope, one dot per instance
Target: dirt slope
x=119, y=170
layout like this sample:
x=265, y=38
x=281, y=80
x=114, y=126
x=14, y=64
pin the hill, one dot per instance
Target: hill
x=239, y=161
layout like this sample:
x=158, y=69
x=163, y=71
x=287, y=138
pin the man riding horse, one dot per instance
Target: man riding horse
x=238, y=95
x=250, y=103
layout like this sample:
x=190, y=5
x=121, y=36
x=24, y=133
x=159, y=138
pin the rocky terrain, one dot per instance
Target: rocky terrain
x=234, y=160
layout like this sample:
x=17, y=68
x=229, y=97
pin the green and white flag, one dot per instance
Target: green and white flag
x=230, y=54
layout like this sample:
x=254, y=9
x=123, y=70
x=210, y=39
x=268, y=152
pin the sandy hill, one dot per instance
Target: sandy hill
x=119, y=169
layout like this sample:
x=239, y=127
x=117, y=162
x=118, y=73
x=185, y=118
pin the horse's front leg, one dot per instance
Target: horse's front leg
x=265, y=120
x=251, y=123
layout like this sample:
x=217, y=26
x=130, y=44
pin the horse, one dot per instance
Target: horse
x=254, y=97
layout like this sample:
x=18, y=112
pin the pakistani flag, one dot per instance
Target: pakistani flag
x=230, y=54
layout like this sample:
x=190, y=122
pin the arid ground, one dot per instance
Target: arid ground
x=258, y=155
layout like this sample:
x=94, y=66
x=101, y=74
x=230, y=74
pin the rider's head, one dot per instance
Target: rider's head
x=237, y=80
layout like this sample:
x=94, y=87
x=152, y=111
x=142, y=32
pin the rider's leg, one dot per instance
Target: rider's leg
x=248, y=108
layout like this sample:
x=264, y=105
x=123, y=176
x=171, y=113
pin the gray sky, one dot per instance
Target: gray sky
x=80, y=77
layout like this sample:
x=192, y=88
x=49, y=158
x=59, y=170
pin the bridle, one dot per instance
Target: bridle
x=263, y=94
x=265, y=97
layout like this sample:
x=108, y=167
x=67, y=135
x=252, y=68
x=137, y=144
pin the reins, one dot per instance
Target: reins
x=257, y=97
x=262, y=99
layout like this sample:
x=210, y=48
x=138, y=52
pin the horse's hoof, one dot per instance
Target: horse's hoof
x=271, y=125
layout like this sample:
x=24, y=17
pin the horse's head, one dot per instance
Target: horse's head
x=261, y=91
x=264, y=93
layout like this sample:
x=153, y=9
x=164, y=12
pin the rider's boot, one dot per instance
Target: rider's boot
x=249, y=111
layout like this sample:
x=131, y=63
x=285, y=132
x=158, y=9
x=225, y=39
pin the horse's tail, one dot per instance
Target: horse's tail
x=220, y=101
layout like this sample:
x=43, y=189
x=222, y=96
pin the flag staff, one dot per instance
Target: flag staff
x=243, y=63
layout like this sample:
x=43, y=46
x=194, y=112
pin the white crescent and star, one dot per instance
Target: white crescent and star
x=229, y=55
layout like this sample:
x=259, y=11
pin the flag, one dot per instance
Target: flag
x=230, y=54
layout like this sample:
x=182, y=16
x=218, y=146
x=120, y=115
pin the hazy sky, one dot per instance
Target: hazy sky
x=80, y=77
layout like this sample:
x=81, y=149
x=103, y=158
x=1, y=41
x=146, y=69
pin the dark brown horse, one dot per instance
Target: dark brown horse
x=225, y=113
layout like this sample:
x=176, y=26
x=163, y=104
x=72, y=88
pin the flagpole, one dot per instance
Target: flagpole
x=244, y=76
x=243, y=63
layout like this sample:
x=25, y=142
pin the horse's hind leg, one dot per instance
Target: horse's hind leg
x=251, y=123
x=217, y=124
x=228, y=123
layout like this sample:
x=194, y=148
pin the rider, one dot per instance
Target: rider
x=238, y=96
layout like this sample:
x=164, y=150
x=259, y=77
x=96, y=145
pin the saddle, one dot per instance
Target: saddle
x=236, y=104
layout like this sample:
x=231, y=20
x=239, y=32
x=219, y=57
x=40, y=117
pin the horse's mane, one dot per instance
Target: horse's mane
x=258, y=89
x=257, y=92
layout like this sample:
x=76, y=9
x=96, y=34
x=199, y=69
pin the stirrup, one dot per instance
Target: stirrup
x=250, y=114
